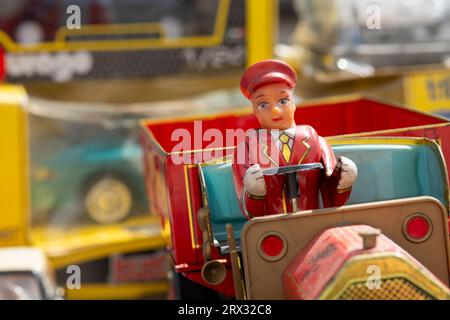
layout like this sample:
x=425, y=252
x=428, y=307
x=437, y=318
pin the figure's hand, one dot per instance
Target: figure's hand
x=348, y=171
x=254, y=182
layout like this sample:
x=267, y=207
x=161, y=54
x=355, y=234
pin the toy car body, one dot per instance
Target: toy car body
x=84, y=172
x=25, y=274
x=395, y=172
x=88, y=172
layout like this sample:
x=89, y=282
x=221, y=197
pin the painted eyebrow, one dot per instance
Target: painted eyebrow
x=284, y=91
x=261, y=95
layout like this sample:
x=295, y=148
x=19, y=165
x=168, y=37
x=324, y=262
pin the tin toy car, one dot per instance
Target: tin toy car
x=84, y=165
x=396, y=217
x=104, y=177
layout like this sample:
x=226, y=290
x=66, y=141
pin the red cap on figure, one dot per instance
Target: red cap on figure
x=264, y=73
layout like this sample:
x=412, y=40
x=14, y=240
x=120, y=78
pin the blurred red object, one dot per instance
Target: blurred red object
x=2, y=65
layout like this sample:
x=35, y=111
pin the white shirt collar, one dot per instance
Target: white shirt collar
x=290, y=132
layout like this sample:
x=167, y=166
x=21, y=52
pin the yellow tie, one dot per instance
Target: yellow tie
x=285, y=150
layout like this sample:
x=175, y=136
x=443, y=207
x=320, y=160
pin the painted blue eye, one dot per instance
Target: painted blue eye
x=263, y=106
x=284, y=102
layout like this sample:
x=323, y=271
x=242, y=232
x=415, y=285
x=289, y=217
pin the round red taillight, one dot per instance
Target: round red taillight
x=417, y=227
x=272, y=246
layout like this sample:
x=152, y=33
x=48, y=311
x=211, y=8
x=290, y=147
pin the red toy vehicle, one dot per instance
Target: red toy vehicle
x=402, y=189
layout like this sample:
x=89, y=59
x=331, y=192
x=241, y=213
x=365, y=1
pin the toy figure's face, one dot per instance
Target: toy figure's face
x=274, y=106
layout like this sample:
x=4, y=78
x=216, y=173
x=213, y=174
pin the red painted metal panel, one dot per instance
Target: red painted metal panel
x=309, y=273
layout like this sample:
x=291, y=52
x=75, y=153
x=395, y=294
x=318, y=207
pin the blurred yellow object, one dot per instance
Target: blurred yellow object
x=109, y=291
x=92, y=243
x=262, y=19
x=77, y=245
x=428, y=91
x=14, y=207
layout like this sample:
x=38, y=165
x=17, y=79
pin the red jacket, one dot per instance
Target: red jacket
x=307, y=147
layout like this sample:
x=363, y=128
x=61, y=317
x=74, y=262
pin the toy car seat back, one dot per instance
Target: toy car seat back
x=222, y=202
x=386, y=171
x=396, y=171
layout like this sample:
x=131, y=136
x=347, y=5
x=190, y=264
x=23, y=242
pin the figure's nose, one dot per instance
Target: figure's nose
x=276, y=110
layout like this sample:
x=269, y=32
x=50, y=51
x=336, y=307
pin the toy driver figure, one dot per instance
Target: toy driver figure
x=280, y=143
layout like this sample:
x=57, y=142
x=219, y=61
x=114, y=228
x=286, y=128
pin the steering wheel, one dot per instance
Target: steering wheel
x=292, y=168
x=291, y=176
